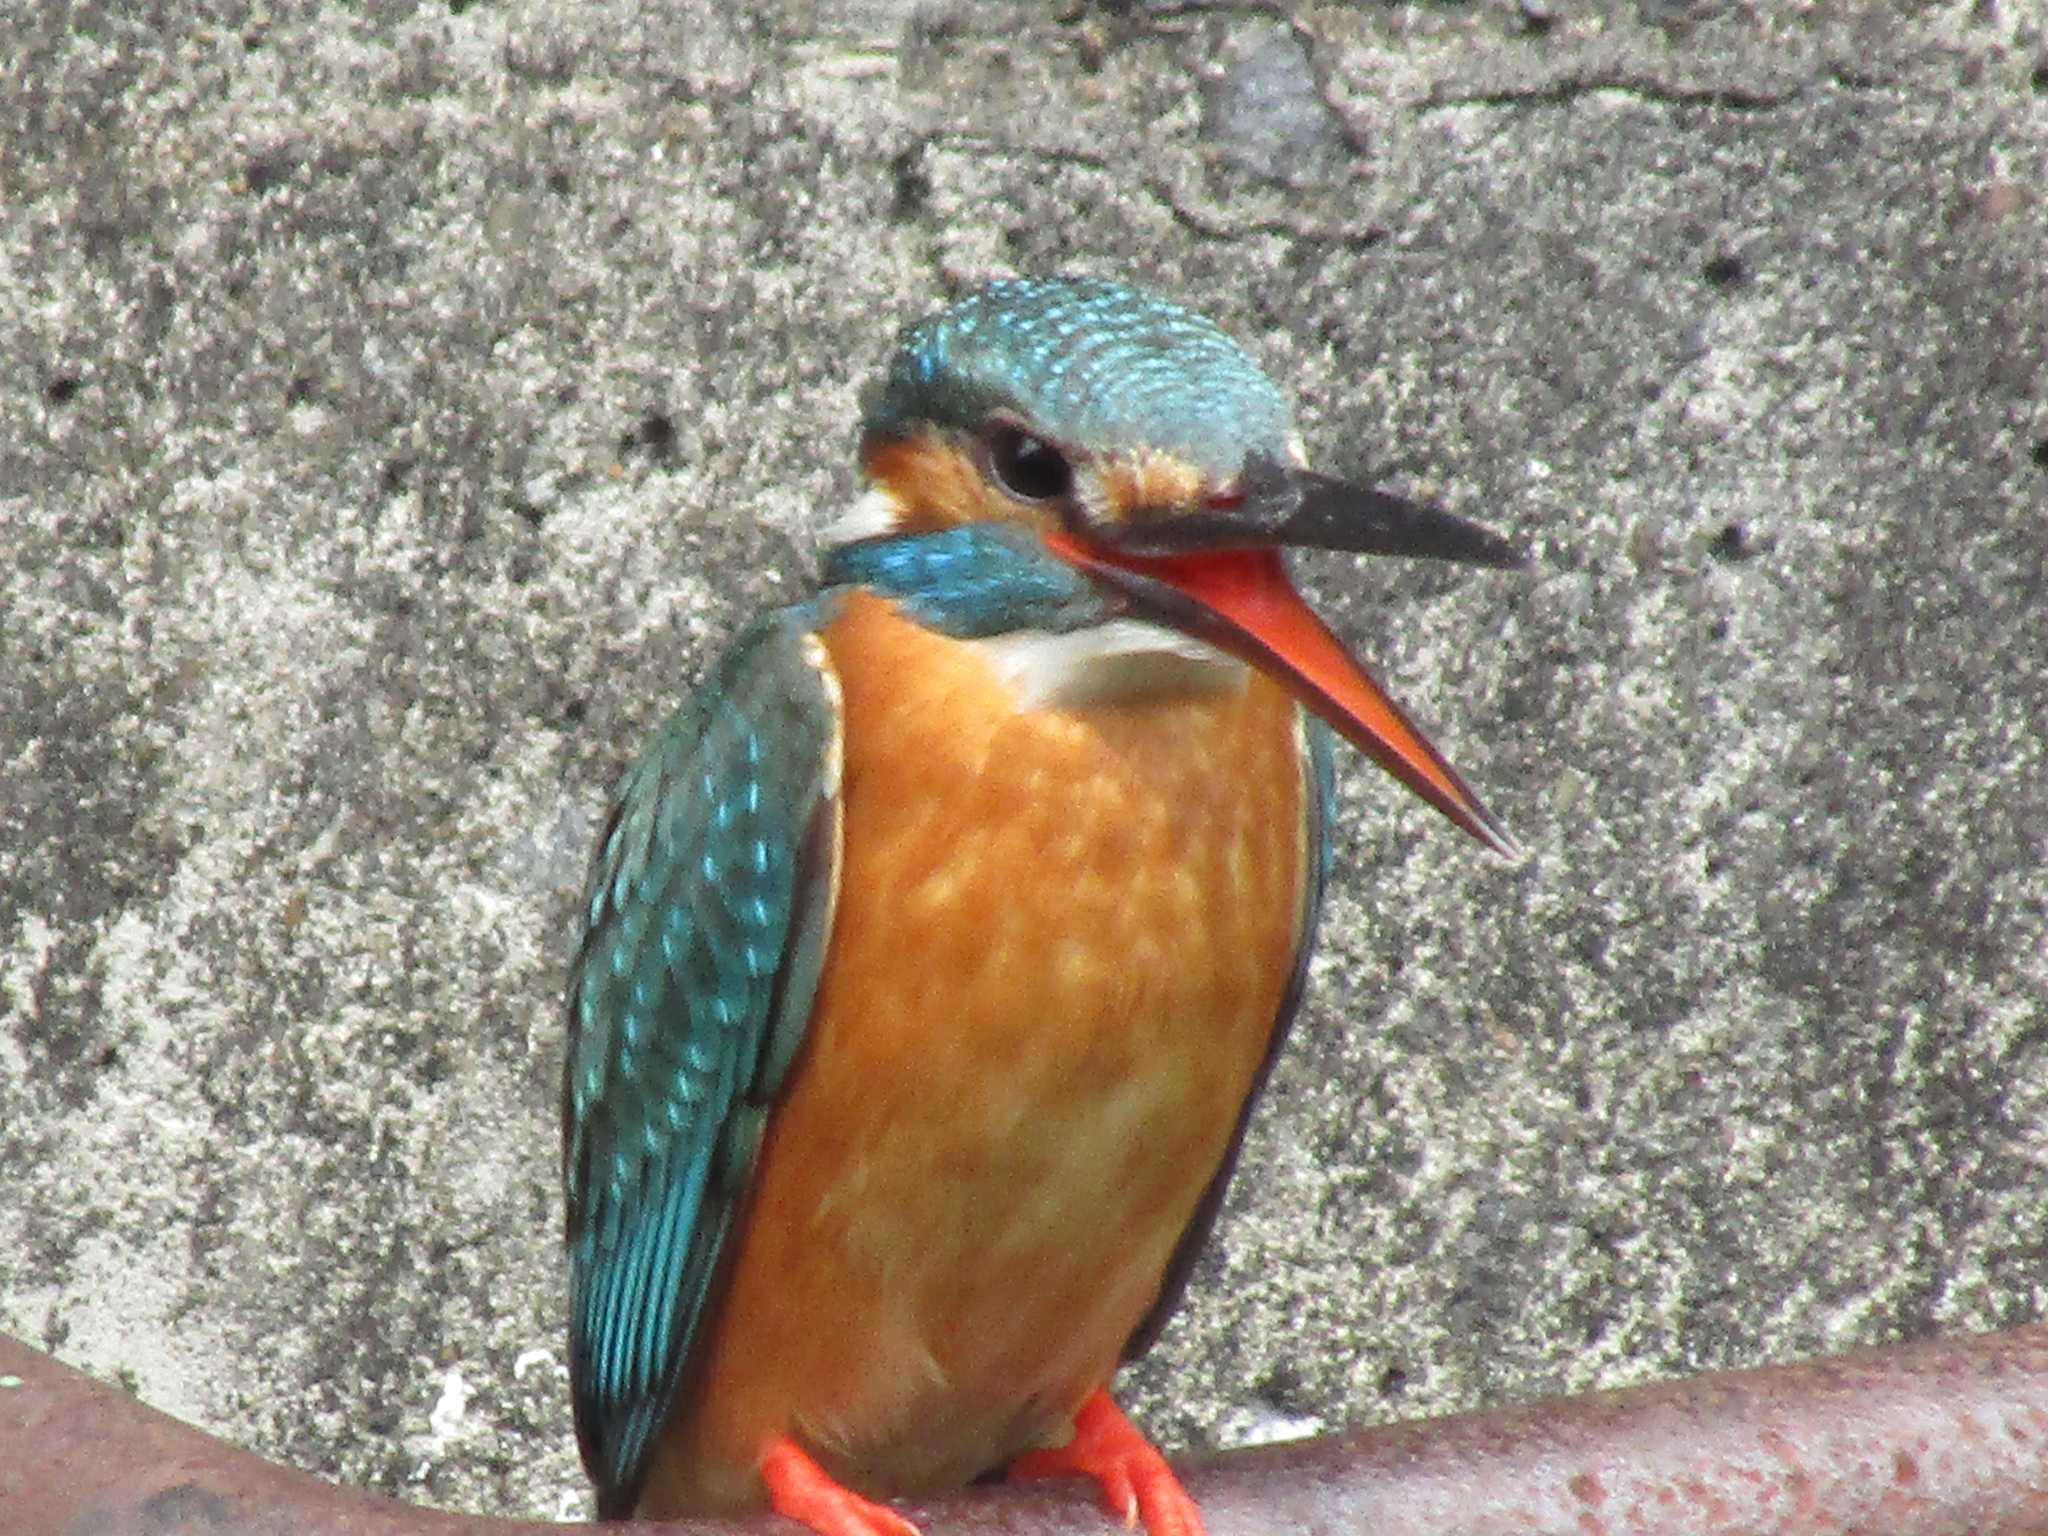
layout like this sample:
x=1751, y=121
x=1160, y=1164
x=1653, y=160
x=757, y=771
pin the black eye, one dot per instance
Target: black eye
x=1028, y=467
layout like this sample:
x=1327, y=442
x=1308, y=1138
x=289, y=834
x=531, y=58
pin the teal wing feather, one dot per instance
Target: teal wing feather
x=1319, y=781
x=709, y=908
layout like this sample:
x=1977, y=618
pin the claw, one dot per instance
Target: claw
x=1137, y=1484
x=804, y=1491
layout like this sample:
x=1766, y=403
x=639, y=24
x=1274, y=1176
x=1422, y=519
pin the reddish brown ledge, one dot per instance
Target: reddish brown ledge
x=1947, y=1438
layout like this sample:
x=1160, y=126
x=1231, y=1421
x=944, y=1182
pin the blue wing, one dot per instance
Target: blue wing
x=709, y=907
x=1319, y=776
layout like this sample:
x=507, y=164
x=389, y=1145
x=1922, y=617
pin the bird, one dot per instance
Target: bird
x=937, y=946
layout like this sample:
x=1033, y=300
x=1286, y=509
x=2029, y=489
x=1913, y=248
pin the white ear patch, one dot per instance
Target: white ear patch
x=1123, y=659
x=874, y=514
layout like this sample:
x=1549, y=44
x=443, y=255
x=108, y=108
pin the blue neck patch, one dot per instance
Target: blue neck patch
x=972, y=582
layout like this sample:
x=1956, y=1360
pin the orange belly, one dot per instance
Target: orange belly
x=1060, y=949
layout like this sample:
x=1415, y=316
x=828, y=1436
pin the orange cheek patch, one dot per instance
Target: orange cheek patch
x=1150, y=487
x=939, y=486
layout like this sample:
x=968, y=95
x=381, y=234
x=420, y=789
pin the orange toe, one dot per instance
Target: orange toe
x=1137, y=1484
x=801, y=1489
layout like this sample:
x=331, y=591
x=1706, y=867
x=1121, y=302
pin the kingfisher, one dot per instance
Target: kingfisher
x=937, y=946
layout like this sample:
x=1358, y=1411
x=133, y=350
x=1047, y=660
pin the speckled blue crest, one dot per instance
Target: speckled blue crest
x=1088, y=363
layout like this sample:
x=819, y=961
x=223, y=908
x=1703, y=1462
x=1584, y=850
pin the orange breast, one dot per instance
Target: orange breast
x=1061, y=944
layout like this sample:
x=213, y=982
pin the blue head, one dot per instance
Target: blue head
x=1035, y=400
x=1094, y=366
x=1134, y=443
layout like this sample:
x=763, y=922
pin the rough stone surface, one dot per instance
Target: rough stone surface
x=400, y=403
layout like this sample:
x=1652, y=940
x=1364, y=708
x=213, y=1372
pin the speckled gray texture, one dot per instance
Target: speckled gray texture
x=399, y=404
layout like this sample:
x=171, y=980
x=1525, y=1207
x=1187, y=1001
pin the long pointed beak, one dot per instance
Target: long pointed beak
x=1278, y=504
x=1229, y=586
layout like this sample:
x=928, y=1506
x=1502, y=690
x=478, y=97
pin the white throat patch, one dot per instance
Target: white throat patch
x=1123, y=659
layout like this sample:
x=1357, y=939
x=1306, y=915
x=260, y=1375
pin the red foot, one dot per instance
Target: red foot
x=1136, y=1482
x=801, y=1489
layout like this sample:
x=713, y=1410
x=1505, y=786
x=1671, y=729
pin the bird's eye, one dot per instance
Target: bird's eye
x=1028, y=467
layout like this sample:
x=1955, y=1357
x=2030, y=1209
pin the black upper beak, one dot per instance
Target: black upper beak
x=1280, y=505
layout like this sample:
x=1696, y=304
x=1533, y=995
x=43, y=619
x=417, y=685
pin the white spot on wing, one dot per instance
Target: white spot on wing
x=819, y=660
